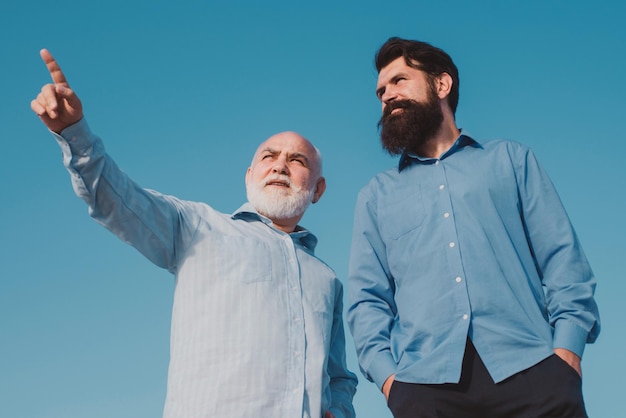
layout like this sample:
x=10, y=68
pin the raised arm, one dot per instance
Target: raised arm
x=151, y=222
x=56, y=105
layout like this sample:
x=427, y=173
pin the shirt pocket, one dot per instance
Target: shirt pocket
x=401, y=215
x=244, y=259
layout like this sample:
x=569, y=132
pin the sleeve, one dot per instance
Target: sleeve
x=566, y=275
x=342, y=382
x=371, y=289
x=149, y=221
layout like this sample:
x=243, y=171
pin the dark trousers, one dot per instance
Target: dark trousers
x=549, y=389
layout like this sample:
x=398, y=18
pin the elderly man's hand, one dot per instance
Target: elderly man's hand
x=56, y=105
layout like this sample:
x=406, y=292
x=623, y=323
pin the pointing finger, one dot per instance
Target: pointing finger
x=53, y=67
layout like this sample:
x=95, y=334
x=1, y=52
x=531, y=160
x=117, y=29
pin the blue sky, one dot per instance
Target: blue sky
x=182, y=93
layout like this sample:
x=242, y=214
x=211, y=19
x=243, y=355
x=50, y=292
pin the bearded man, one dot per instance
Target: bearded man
x=469, y=292
x=257, y=325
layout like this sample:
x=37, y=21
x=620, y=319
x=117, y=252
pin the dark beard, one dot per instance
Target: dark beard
x=408, y=130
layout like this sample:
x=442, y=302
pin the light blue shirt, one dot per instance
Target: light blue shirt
x=257, y=326
x=473, y=243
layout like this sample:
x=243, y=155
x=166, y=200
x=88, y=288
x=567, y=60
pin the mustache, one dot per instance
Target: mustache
x=398, y=104
x=280, y=178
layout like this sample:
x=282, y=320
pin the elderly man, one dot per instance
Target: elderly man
x=257, y=325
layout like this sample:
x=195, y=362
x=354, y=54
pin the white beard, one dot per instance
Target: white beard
x=277, y=203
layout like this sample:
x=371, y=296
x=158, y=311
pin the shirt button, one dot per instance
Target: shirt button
x=465, y=317
x=437, y=162
x=446, y=215
x=458, y=280
x=441, y=187
x=452, y=244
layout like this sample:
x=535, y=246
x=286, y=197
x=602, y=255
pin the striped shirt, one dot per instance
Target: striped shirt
x=257, y=326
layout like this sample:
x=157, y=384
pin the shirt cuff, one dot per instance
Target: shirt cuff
x=77, y=136
x=381, y=368
x=570, y=336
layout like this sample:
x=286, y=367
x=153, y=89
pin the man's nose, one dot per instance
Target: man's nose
x=389, y=96
x=280, y=167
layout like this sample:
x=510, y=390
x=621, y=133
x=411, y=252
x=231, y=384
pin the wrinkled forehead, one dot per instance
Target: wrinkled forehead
x=290, y=143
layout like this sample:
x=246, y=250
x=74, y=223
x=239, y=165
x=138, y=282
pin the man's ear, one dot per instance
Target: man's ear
x=443, y=85
x=320, y=188
x=248, y=174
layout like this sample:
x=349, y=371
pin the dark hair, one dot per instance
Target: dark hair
x=422, y=56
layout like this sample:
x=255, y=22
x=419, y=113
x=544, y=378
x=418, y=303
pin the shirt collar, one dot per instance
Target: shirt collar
x=462, y=141
x=248, y=213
